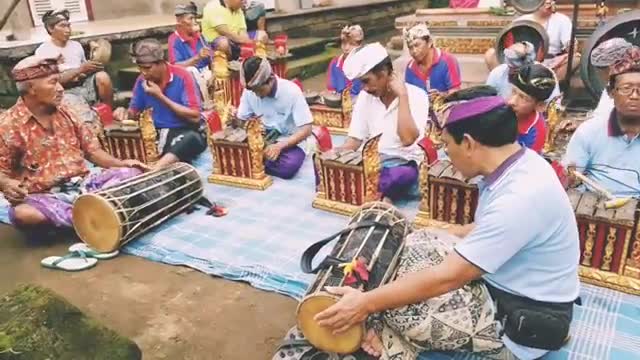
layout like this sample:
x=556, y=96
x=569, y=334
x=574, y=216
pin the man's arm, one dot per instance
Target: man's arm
x=184, y=112
x=242, y=38
x=350, y=144
x=298, y=136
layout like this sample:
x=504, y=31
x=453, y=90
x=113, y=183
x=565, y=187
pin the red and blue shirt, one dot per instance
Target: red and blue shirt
x=443, y=75
x=183, y=48
x=180, y=88
x=336, y=79
x=532, y=132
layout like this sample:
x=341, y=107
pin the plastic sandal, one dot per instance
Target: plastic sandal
x=73, y=261
x=90, y=253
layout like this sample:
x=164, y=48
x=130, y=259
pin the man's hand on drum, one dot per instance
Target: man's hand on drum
x=272, y=152
x=351, y=310
x=13, y=191
x=130, y=163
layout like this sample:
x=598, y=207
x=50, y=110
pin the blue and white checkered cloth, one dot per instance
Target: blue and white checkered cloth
x=262, y=238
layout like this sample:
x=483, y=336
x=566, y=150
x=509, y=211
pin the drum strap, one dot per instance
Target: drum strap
x=312, y=251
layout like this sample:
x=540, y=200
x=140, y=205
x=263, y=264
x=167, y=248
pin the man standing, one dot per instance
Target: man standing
x=392, y=108
x=284, y=112
x=78, y=76
x=224, y=26
x=43, y=149
x=170, y=91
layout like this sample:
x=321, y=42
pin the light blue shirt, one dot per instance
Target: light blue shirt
x=499, y=79
x=604, y=154
x=285, y=111
x=525, y=237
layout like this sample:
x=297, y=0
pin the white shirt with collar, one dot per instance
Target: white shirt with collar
x=371, y=117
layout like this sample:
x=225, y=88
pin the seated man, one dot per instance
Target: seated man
x=436, y=303
x=516, y=56
x=532, y=86
x=282, y=108
x=255, y=16
x=392, y=108
x=602, y=57
x=351, y=37
x=170, y=91
x=79, y=76
x=43, y=147
x=606, y=148
x=224, y=26
x=430, y=68
x=187, y=47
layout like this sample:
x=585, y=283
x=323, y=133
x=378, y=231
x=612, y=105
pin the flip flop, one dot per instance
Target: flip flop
x=73, y=261
x=90, y=253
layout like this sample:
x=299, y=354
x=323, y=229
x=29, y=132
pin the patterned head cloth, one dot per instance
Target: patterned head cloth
x=419, y=31
x=360, y=61
x=515, y=57
x=630, y=62
x=185, y=9
x=352, y=34
x=52, y=17
x=471, y=109
x=535, y=80
x=34, y=67
x=146, y=51
x=260, y=77
x=609, y=52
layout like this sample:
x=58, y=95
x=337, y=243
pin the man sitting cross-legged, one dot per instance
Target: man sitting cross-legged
x=44, y=148
x=171, y=92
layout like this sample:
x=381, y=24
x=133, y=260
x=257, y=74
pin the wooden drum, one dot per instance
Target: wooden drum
x=374, y=240
x=109, y=218
x=348, y=179
x=446, y=196
x=137, y=141
x=609, y=242
x=239, y=157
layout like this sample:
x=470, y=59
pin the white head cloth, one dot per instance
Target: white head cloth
x=360, y=61
x=261, y=76
x=417, y=31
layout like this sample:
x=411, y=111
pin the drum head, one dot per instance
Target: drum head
x=527, y=6
x=97, y=223
x=626, y=26
x=321, y=337
x=523, y=30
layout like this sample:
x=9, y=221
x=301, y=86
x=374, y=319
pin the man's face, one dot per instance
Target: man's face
x=263, y=90
x=347, y=46
x=626, y=96
x=186, y=23
x=46, y=91
x=152, y=72
x=375, y=83
x=61, y=31
x=233, y=4
x=462, y=155
x=419, y=48
x=547, y=9
x=522, y=104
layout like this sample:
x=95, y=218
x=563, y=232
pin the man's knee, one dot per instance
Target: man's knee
x=103, y=79
x=262, y=36
x=223, y=44
x=27, y=215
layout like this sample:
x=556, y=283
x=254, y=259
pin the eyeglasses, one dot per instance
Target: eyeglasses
x=628, y=90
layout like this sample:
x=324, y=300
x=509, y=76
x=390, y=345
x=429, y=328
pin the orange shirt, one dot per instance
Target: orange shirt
x=40, y=158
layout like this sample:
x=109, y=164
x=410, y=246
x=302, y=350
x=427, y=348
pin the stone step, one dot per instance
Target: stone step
x=307, y=67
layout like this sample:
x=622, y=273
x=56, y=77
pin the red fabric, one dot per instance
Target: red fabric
x=323, y=138
x=430, y=152
x=299, y=83
x=362, y=273
x=465, y=4
x=213, y=121
x=561, y=172
x=105, y=113
x=508, y=40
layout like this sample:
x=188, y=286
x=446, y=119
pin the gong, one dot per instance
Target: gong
x=526, y=6
x=626, y=26
x=523, y=30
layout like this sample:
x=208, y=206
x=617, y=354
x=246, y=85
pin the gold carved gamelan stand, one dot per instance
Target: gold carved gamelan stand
x=223, y=87
x=238, y=156
x=132, y=140
x=447, y=198
x=337, y=120
x=347, y=179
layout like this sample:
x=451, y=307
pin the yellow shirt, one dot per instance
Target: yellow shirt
x=215, y=15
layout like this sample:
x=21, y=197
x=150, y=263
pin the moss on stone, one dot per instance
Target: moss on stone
x=37, y=324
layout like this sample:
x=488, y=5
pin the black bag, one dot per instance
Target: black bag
x=536, y=324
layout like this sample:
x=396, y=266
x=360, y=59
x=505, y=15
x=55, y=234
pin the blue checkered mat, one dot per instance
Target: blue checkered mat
x=261, y=239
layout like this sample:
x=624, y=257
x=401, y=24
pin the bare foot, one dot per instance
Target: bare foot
x=372, y=344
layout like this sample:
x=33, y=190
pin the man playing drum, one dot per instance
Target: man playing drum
x=282, y=107
x=392, y=108
x=172, y=93
x=430, y=68
x=532, y=86
x=606, y=148
x=437, y=302
x=43, y=147
x=79, y=76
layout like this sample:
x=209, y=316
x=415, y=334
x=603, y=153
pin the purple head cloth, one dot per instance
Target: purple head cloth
x=468, y=109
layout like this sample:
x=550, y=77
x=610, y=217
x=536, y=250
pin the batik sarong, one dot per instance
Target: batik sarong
x=56, y=205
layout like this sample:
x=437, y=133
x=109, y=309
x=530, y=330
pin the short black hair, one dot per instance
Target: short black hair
x=497, y=128
x=385, y=64
x=251, y=66
x=471, y=93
